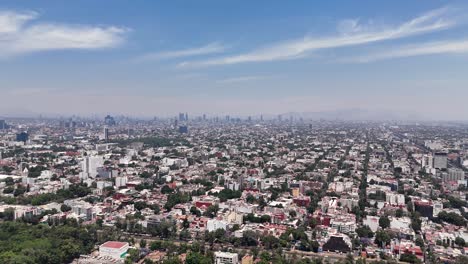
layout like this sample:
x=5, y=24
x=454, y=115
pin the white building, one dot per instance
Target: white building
x=215, y=224
x=226, y=258
x=395, y=198
x=427, y=161
x=175, y=161
x=121, y=181
x=343, y=225
x=372, y=222
x=113, y=249
x=89, y=166
x=453, y=175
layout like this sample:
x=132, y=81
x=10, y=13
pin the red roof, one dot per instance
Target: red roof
x=114, y=244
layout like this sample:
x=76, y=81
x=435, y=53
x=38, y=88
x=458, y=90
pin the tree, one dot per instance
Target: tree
x=452, y=218
x=364, y=231
x=409, y=258
x=173, y=260
x=211, y=211
x=292, y=213
x=250, y=198
x=384, y=222
x=460, y=241
x=184, y=235
x=399, y=212
x=349, y=259
x=133, y=255
x=166, y=189
x=249, y=239
x=382, y=237
x=197, y=258
x=65, y=208
x=195, y=211
x=410, y=206
x=156, y=245
x=142, y=243
x=9, y=181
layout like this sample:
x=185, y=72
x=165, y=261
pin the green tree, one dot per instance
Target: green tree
x=142, y=243
x=460, y=241
x=384, y=222
x=382, y=237
x=364, y=231
x=197, y=258
x=65, y=208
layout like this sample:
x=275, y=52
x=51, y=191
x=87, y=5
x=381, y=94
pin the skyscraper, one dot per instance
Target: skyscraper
x=181, y=117
x=109, y=120
x=183, y=129
x=23, y=136
x=106, y=133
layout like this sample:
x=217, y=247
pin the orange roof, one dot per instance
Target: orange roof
x=114, y=244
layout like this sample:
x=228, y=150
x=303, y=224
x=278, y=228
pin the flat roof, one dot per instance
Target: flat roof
x=114, y=244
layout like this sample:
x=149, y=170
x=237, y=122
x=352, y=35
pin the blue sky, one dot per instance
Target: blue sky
x=147, y=58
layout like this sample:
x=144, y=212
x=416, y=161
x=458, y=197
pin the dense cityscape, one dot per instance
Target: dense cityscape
x=232, y=190
x=233, y=132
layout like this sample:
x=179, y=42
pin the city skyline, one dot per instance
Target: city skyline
x=402, y=58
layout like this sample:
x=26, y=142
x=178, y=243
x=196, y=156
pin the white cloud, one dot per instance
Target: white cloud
x=431, y=48
x=210, y=48
x=354, y=34
x=20, y=34
x=11, y=22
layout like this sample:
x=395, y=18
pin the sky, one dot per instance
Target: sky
x=158, y=58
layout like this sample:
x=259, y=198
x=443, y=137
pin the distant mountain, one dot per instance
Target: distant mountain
x=355, y=114
x=17, y=112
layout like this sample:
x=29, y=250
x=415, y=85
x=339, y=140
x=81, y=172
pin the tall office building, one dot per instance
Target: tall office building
x=109, y=120
x=440, y=160
x=23, y=136
x=181, y=117
x=183, y=129
x=3, y=124
x=106, y=133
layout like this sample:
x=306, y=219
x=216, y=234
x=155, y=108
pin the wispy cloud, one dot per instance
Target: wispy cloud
x=210, y=48
x=242, y=79
x=30, y=91
x=20, y=34
x=431, y=48
x=352, y=33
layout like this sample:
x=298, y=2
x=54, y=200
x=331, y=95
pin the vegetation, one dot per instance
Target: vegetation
x=452, y=218
x=23, y=243
x=74, y=191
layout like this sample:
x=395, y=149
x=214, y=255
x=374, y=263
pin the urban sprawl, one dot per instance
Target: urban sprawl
x=232, y=190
